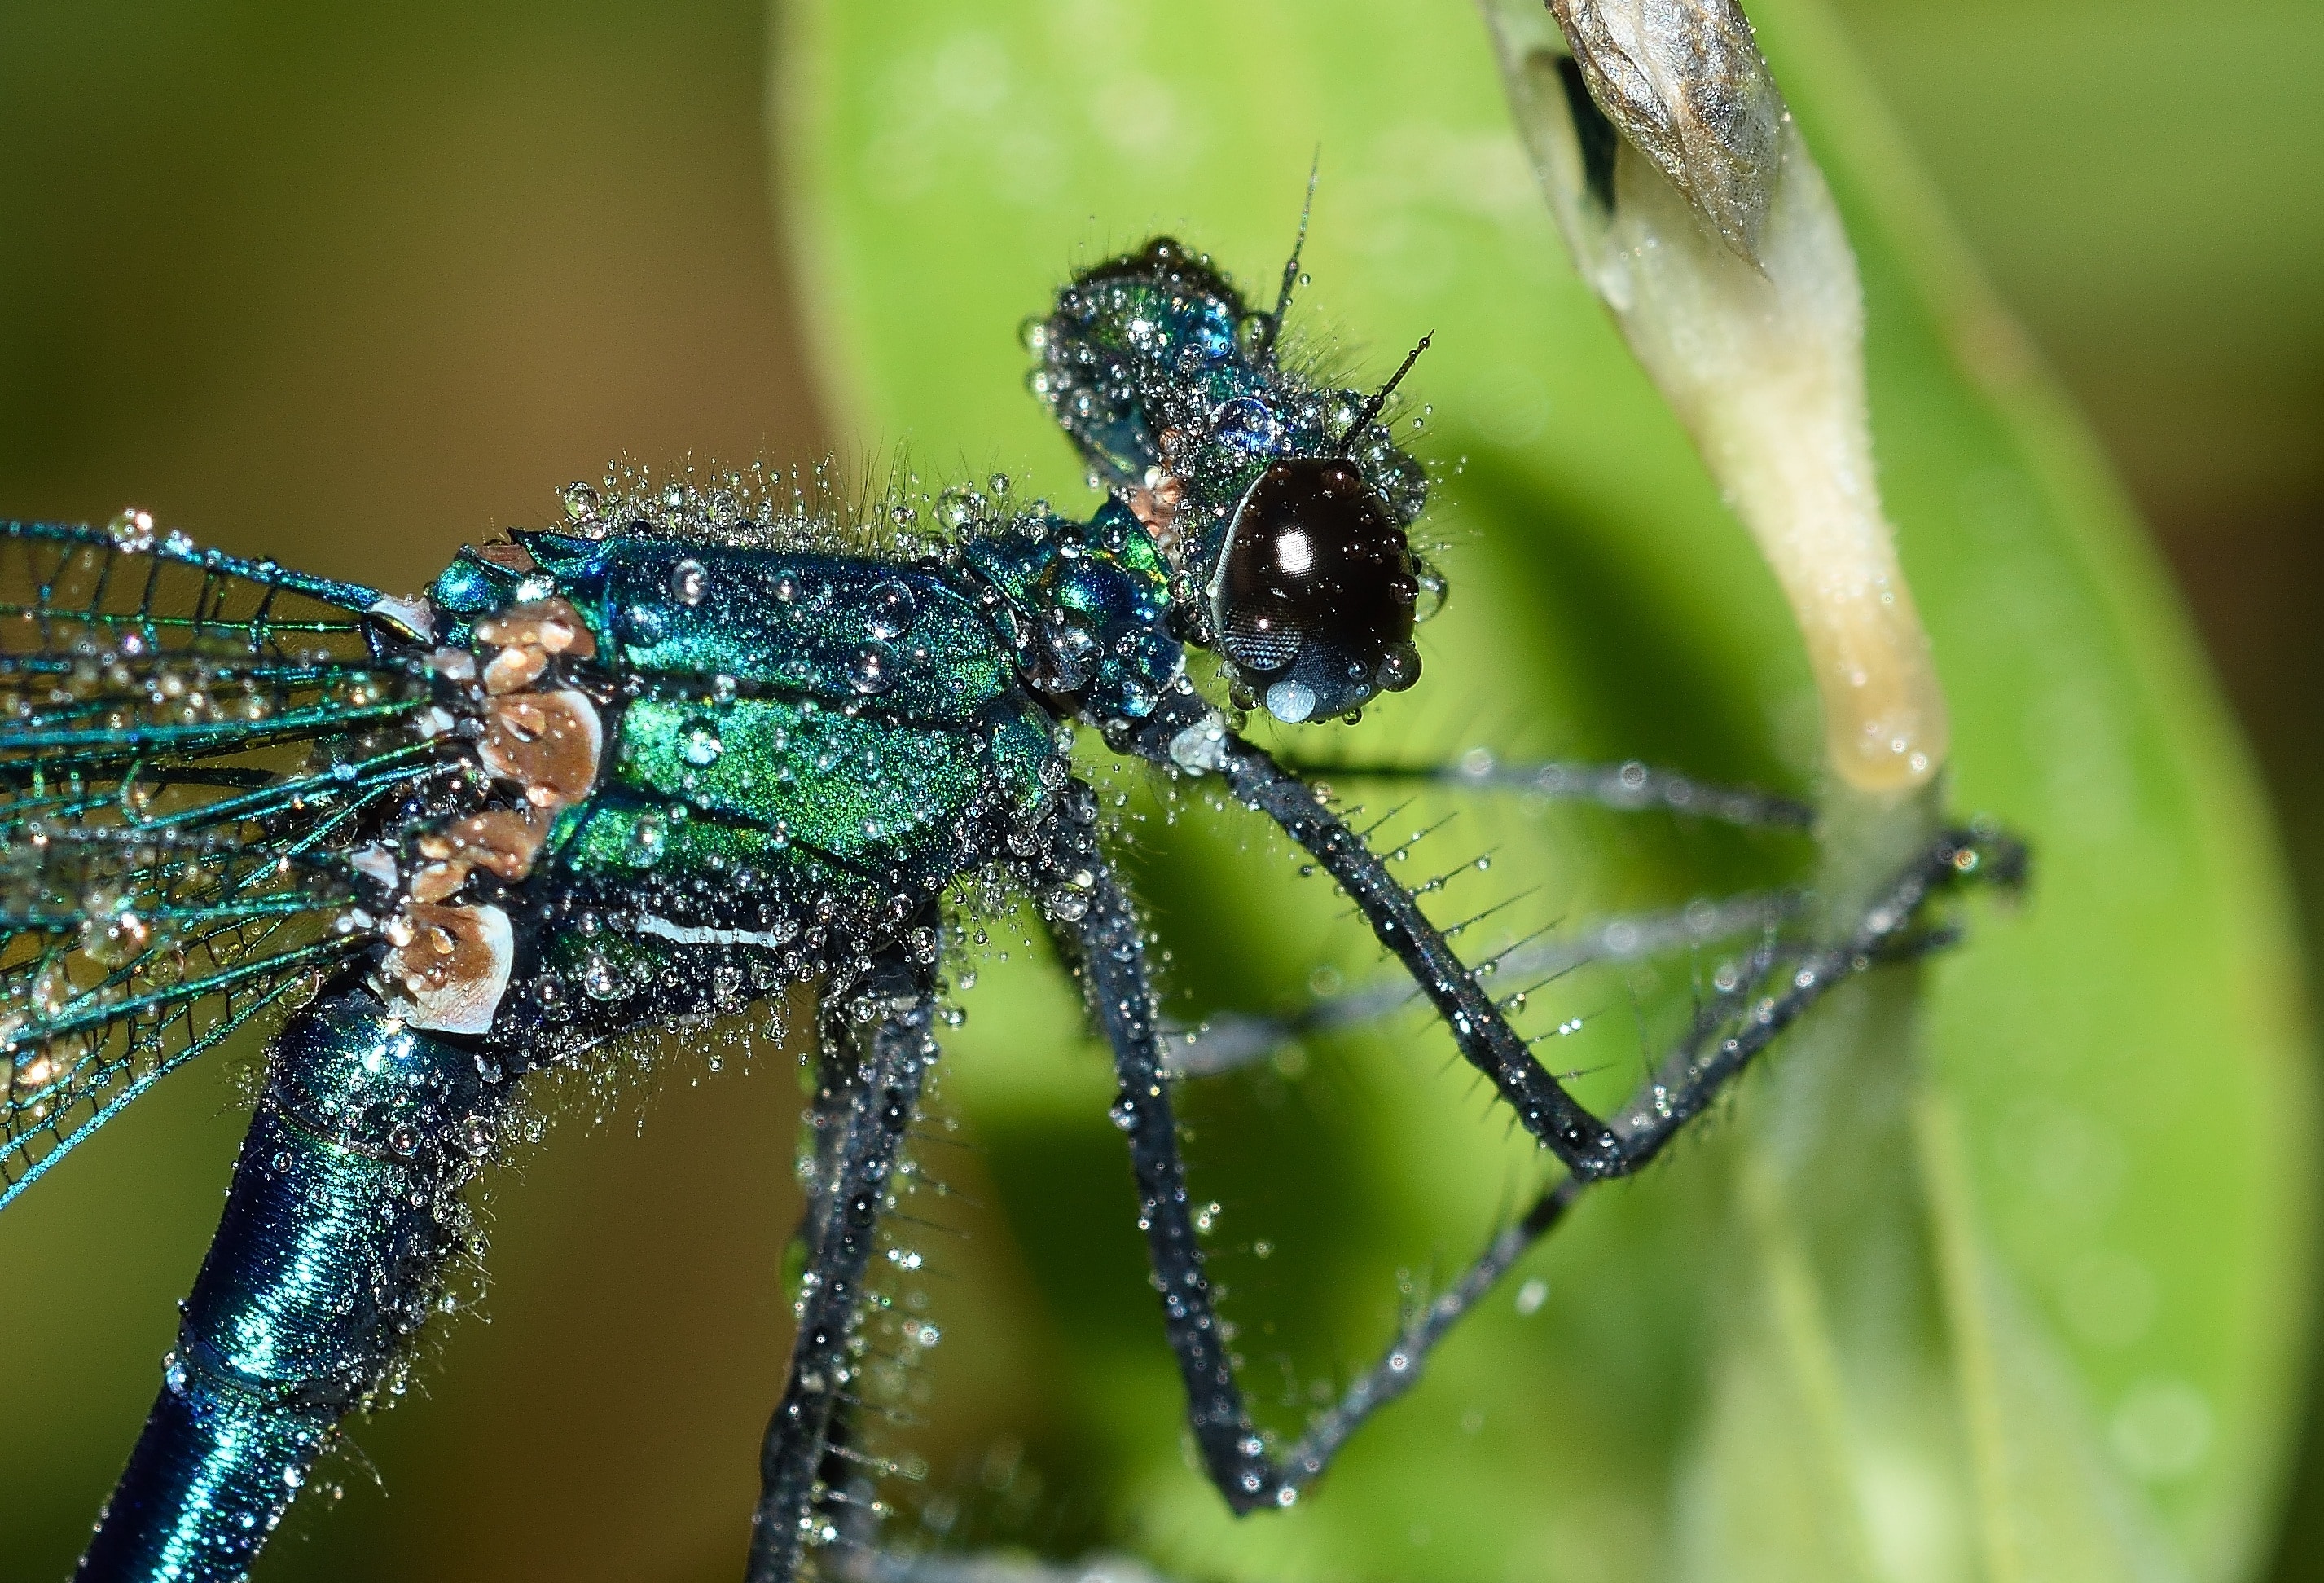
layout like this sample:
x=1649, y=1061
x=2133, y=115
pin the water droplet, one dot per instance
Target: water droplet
x=132, y=529
x=1399, y=670
x=1431, y=597
x=1245, y=424
x=689, y=581
x=478, y=1136
x=1291, y=701
x=958, y=508
x=580, y=502
x=868, y=671
x=650, y=836
x=892, y=609
x=599, y=980
x=699, y=743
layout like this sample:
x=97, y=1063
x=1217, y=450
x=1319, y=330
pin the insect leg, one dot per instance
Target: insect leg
x=1731, y=1034
x=1110, y=950
x=870, y=1088
x=1184, y=734
x=1233, y=1040
x=1627, y=788
x=1722, y=1042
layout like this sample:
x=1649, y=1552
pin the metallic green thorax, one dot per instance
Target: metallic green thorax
x=802, y=748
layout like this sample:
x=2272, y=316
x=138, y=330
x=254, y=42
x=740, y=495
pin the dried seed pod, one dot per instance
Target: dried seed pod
x=1683, y=81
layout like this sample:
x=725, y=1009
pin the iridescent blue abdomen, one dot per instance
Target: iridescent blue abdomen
x=344, y=1209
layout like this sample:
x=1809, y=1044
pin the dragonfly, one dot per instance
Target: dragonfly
x=691, y=748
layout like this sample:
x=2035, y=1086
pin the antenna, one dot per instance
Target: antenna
x=1291, y=267
x=1379, y=398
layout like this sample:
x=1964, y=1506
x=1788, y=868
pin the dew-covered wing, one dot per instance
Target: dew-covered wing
x=190, y=745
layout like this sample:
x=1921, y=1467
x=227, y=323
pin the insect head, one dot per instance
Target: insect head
x=1280, y=504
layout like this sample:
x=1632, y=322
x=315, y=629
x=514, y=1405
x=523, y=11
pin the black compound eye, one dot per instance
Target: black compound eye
x=1314, y=594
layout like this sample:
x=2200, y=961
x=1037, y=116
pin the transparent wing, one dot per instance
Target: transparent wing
x=189, y=746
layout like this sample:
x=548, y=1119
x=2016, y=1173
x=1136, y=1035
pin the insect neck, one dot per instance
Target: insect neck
x=1084, y=607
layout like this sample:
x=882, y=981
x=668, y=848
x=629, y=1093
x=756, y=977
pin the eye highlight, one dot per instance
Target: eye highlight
x=1312, y=599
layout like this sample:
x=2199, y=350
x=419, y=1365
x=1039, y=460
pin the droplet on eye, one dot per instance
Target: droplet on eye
x=1431, y=589
x=1245, y=424
x=1399, y=670
x=1291, y=701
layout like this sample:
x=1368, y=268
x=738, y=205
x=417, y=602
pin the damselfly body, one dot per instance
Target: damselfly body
x=663, y=761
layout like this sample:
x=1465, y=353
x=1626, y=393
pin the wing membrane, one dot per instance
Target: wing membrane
x=189, y=746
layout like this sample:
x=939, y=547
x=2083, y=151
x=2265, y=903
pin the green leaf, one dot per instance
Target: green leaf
x=1998, y=1270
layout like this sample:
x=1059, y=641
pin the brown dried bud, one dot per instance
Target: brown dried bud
x=1683, y=80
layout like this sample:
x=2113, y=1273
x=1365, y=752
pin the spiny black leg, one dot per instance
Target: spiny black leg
x=1186, y=733
x=1110, y=948
x=1232, y=1040
x=1111, y=951
x=870, y=1088
x=1400, y=1367
x=1627, y=788
x=1692, y=1077
x=1730, y=1032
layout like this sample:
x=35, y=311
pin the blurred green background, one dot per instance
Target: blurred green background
x=351, y=290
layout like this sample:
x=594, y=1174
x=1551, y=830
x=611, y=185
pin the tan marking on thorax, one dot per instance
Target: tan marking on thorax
x=448, y=961
x=1155, y=504
x=446, y=968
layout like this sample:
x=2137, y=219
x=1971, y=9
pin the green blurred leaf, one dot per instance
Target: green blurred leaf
x=1999, y=1272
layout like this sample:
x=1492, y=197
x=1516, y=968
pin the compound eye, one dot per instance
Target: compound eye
x=1312, y=599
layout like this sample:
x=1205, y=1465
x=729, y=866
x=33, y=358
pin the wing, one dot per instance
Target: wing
x=190, y=747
